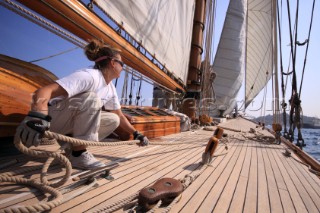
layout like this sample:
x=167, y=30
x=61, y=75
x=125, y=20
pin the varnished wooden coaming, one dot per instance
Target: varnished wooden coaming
x=18, y=81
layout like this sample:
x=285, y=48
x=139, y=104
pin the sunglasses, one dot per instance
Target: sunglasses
x=120, y=62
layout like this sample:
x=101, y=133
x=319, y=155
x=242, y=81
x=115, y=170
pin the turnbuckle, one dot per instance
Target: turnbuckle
x=300, y=143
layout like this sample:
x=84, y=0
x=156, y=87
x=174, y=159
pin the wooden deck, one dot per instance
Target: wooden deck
x=252, y=177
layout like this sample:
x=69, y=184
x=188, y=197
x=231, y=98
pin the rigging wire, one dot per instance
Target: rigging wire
x=295, y=117
x=125, y=89
x=42, y=22
x=283, y=104
x=281, y=59
x=116, y=83
x=131, y=88
x=206, y=67
x=307, y=48
x=273, y=96
x=54, y=55
x=138, y=96
x=277, y=126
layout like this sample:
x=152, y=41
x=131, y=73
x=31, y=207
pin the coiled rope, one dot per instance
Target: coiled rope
x=45, y=185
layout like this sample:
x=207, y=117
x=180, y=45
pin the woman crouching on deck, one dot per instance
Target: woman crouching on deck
x=73, y=105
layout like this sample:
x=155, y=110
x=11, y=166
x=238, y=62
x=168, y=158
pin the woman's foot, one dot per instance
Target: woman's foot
x=85, y=161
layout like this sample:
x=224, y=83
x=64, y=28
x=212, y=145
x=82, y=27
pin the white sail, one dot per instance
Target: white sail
x=163, y=27
x=230, y=57
x=259, y=47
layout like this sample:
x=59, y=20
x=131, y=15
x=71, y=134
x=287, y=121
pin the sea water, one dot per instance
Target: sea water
x=312, y=140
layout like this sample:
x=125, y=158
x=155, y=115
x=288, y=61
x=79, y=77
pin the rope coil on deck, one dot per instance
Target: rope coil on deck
x=36, y=207
x=45, y=185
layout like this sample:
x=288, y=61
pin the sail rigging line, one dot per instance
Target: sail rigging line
x=287, y=74
x=263, y=103
x=206, y=77
x=307, y=48
x=283, y=104
x=273, y=96
x=54, y=55
x=124, y=89
x=138, y=95
x=295, y=102
x=131, y=88
x=290, y=134
x=42, y=22
x=132, y=85
x=256, y=110
x=116, y=83
x=277, y=127
x=293, y=48
x=137, y=77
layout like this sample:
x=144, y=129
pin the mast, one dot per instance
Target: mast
x=194, y=74
x=276, y=125
x=79, y=20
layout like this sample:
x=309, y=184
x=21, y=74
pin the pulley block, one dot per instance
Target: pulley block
x=165, y=189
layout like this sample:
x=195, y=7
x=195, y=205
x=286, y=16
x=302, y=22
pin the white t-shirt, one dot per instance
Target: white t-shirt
x=91, y=80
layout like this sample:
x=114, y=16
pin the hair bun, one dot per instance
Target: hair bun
x=92, y=49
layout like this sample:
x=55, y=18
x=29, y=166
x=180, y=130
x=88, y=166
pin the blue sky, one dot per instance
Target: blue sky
x=24, y=40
